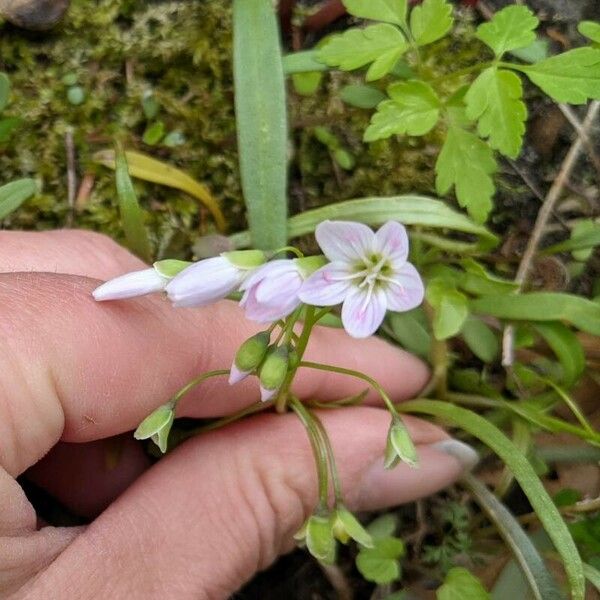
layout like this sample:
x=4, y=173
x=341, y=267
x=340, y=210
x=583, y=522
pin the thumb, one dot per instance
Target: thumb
x=222, y=506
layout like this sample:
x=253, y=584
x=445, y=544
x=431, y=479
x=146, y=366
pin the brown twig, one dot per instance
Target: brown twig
x=541, y=222
x=71, y=173
x=567, y=111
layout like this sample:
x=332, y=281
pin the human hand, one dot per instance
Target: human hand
x=204, y=519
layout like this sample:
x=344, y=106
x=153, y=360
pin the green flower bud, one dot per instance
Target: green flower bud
x=399, y=446
x=249, y=356
x=273, y=372
x=170, y=267
x=157, y=426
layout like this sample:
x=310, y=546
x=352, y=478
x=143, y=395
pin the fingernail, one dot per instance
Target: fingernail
x=466, y=455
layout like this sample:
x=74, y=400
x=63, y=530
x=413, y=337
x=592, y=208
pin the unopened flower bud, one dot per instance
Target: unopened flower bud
x=249, y=356
x=130, y=285
x=157, y=426
x=400, y=447
x=273, y=372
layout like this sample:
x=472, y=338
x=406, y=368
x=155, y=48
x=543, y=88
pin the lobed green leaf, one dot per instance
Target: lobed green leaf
x=461, y=584
x=430, y=21
x=572, y=76
x=413, y=109
x=381, y=44
x=494, y=100
x=389, y=11
x=510, y=28
x=467, y=163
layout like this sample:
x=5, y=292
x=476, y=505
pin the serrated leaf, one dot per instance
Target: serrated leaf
x=467, y=163
x=413, y=109
x=572, y=77
x=430, y=21
x=590, y=29
x=380, y=44
x=389, y=11
x=461, y=584
x=495, y=101
x=512, y=27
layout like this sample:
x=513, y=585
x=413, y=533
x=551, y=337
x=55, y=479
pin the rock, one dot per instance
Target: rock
x=37, y=15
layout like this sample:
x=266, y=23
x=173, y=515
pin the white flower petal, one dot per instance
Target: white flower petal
x=407, y=292
x=266, y=395
x=267, y=313
x=270, y=269
x=235, y=375
x=392, y=241
x=324, y=287
x=362, y=314
x=205, y=282
x=345, y=241
x=137, y=283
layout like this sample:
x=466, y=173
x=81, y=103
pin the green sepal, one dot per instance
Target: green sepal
x=319, y=538
x=399, y=446
x=309, y=264
x=170, y=267
x=157, y=426
x=274, y=368
x=346, y=526
x=245, y=259
x=252, y=352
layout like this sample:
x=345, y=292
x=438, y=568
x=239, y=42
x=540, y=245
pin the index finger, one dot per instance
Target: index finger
x=78, y=370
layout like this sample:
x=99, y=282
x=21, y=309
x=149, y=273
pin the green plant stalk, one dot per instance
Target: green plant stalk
x=194, y=382
x=335, y=478
x=319, y=451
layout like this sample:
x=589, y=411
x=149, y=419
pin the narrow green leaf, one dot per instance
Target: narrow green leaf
x=410, y=210
x=132, y=215
x=540, y=580
x=380, y=44
x=482, y=341
x=389, y=11
x=525, y=475
x=361, y=96
x=413, y=109
x=142, y=166
x=430, y=21
x=154, y=133
x=461, y=584
x=592, y=575
x=13, y=194
x=566, y=346
x=260, y=106
x=4, y=90
x=590, y=29
x=542, y=306
x=495, y=101
x=510, y=28
x=584, y=236
x=572, y=76
x=305, y=61
x=467, y=163
x=450, y=306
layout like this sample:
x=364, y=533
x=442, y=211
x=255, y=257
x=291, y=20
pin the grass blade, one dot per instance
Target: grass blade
x=142, y=166
x=260, y=106
x=524, y=473
x=132, y=216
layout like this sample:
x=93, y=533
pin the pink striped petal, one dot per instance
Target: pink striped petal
x=407, y=292
x=363, y=314
x=345, y=240
x=323, y=287
x=392, y=241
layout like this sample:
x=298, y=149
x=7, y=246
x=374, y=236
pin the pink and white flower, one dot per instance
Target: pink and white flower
x=130, y=285
x=368, y=273
x=271, y=292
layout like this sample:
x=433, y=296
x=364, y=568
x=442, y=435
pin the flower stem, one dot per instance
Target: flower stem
x=335, y=477
x=194, y=382
x=372, y=382
x=319, y=450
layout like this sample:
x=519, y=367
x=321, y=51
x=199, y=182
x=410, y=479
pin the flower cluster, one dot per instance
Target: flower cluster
x=366, y=272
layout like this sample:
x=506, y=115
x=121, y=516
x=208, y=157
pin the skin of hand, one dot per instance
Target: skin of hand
x=78, y=375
